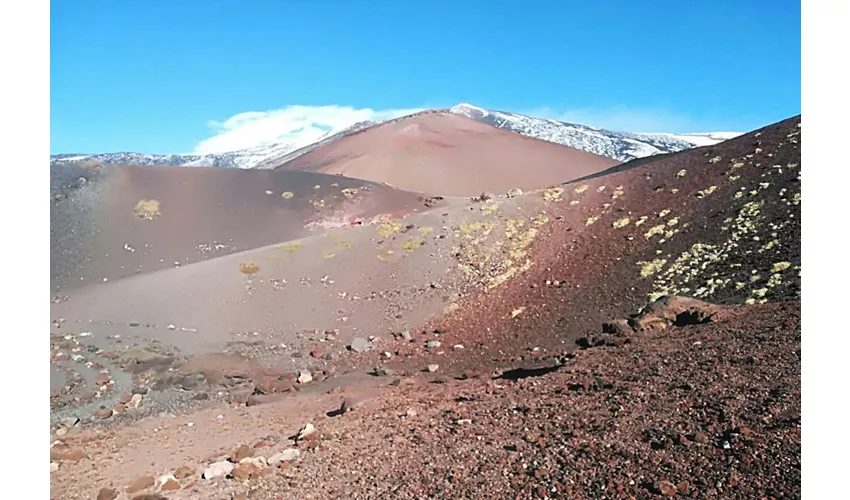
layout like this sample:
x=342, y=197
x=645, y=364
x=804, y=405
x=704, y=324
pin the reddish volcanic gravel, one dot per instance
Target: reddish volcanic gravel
x=548, y=345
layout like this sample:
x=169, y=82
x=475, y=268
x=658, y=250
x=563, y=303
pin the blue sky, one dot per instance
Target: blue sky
x=178, y=77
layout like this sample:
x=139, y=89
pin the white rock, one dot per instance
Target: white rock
x=306, y=431
x=305, y=377
x=171, y=327
x=218, y=469
x=54, y=466
x=433, y=368
x=258, y=462
x=287, y=455
x=135, y=401
x=164, y=479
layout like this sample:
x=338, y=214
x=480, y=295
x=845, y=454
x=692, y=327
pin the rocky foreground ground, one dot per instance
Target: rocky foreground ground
x=697, y=410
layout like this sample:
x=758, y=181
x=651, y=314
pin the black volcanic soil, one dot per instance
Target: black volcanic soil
x=526, y=396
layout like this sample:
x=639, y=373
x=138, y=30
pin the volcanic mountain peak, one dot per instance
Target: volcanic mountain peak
x=449, y=154
x=623, y=146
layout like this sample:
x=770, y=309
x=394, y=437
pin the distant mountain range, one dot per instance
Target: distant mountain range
x=622, y=146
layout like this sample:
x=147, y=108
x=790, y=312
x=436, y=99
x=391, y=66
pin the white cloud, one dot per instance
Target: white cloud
x=626, y=119
x=300, y=124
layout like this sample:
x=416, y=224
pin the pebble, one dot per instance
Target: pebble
x=135, y=401
x=243, y=472
x=359, y=344
x=54, y=466
x=666, y=488
x=305, y=377
x=433, y=368
x=217, y=469
x=103, y=413
x=306, y=431
x=406, y=335
x=243, y=451
x=140, y=484
x=432, y=344
x=107, y=494
x=184, y=471
x=287, y=455
x=348, y=404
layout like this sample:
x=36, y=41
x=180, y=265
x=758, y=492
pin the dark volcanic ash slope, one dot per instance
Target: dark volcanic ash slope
x=448, y=154
x=719, y=223
x=116, y=221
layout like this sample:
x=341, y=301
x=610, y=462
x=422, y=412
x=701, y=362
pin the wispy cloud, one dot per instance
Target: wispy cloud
x=626, y=119
x=300, y=124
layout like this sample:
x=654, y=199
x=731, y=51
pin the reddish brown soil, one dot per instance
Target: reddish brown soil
x=449, y=155
x=538, y=402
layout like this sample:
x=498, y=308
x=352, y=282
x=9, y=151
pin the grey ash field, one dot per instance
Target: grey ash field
x=630, y=331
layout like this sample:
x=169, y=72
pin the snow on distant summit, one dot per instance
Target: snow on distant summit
x=268, y=156
x=623, y=146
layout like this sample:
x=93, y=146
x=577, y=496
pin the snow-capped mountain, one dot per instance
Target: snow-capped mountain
x=623, y=146
x=268, y=156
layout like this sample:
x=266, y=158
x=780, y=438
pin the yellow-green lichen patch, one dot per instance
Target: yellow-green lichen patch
x=318, y=203
x=714, y=160
x=673, y=221
x=601, y=188
x=343, y=245
x=791, y=165
x=618, y=191
x=287, y=195
x=640, y=221
x=490, y=207
x=649, y=268
x=450, y=308
x=621, y=223
x=411, y=244
x=674, y=190
x=317, y=187
x=681, y=173
x=739, y=194
x=147, y=209
x=796, y=199
x=574, y=203
x=734, y=178
x=591, y=220
x=707, y=191
x=780, y=266
x=659, y=229
x=328, y=254
x=553, y=194
x=425, y=230
x=764, y=185
x=516, y=312
x=582, y=188
x=737, y=165
x=388, y=228
x=293, y=246
x=269, y=192
x=349, y=192
x=335, y=185
x=664, y=213
x=248, y=267
x=539, y=219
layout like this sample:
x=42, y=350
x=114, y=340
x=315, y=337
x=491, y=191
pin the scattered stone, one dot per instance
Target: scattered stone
x=666, y=488
x=359, y=344
x=316, y=352
x=514, y=192
x=245, y=471
x=243, y=451
x=701, y=438
x=61, y=432
x=383, y=371
x=170, y=485
x=433, y=368
x=258, y=462
x=54, y=466
x=305, y=377
x=69, y=421
x=349, y=404
x=184, y=471
x=107, y=494
x=103, y=413
x=140, y=484
x=306, y=432
x=406, y=335
x=135, y=401
x=218, y=469
x=432, y=344
x=286, y=455
x=67, y=455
